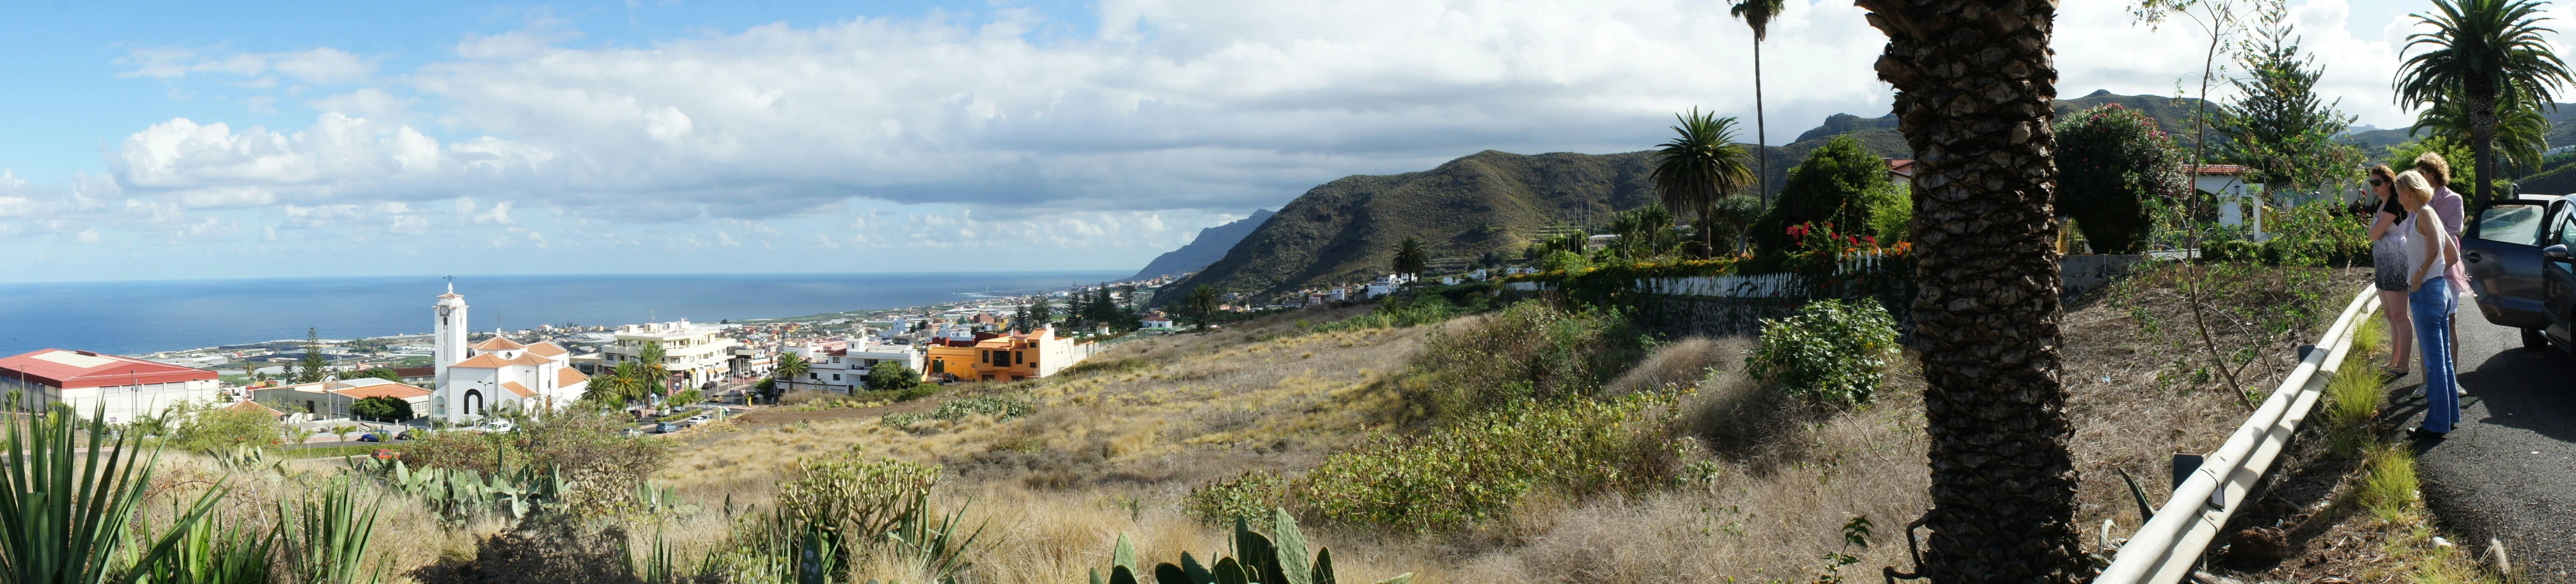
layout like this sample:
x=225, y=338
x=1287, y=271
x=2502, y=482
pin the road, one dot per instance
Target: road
x=2509, y=470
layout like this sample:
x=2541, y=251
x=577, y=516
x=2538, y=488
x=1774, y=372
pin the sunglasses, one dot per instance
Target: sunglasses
x=2376, y=182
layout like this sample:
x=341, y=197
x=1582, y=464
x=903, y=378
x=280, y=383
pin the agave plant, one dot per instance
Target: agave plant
x=212, y=552
x=331, y=537
x=1279, y=558
x=70, y=490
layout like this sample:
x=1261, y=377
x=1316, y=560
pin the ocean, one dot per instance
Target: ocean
x=148, y=316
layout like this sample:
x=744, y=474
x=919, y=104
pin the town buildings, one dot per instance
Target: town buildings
x=337, y=399
x=113, y=388
x=842, y=366
x=694, y=353
x=498, y=373
x=998, y=357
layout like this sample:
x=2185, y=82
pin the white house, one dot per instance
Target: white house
x=1156, y=322
x=2239, y=202
x=694, y=353
x=842, y=366
x=335, y=399
x=126, y=387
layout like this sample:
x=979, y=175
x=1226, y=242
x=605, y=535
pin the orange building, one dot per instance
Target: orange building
x=997, y=357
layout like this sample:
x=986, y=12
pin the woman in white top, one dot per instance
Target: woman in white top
x=2430, y=255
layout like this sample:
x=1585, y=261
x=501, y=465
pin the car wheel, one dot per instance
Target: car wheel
x=2535, y=340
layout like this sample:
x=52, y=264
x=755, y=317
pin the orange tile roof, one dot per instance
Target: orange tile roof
x=392, y=390
x=483, y=361
x=567, y=376
x=546, y=349
x=526, y=359
x=252, y=406
x=498, y=344
x=514, y=387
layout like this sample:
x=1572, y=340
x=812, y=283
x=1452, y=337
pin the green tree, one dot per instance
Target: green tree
x=2402, y=155
x=1735, y=214
x=1202, y=303
x=892, y=376
x=1410, y=259
x=2478, y=53
x=790, y=367
x=381, y=408
x=2114, y=168
x=1974, y=85
x=1699, y=166
x=2521, y=135
x=1758, y=14
x=654, y=369
x=312, y=367
x=2276, y=123
x=1833, y=185
x=1644, y=233
x=377, y=373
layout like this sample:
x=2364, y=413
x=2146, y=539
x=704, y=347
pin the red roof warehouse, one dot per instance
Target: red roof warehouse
x=126, y=386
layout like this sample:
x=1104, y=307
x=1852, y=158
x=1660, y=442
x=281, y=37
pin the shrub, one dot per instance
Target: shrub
x=1832, y=351
x=382, y=408
x=1835, y=184
x=2114, y=168
x=1528, y=351
x=852, y=494
x=455, y=450
x=1249, y=496
x=894, y=377
x=995, y=406
x=593, y=453
x=201, y=427
x=1473, y=471
x=1399, y=311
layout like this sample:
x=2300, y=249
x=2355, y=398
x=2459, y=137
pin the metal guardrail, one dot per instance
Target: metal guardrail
x=2165, y=550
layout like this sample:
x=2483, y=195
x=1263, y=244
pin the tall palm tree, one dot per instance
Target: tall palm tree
x=2521, y=133
x=1410, y=259
x=1203, y=302
x=1700, y=166
x=1757, y=14
x=1974, y=81
x=657, y=375
x=790, y=367
x=2480, y=51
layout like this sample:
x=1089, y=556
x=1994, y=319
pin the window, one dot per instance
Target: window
x=1019, y=356
x=2510, y=224
x=836, y=377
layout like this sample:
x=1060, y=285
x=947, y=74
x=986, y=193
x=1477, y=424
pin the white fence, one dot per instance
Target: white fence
x=2164, y=550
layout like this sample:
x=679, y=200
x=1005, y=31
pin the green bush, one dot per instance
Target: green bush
x=1529, y=351
x=203, y=427
x=1473, y=471
x=995, y=406
x=853, y=494
x=1396, y=312
x=894, y=377
x=1840, y=183
x=1249, y=496
x=1832, y=351
x=382, y=408
x=2114, y=170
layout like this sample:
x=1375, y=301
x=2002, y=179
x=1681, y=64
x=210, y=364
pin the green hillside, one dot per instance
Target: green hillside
x=1345, y=231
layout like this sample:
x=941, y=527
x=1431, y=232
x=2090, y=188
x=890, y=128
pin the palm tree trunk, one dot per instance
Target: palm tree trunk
x=1761, y=139
x=1974, y=82
x=2482, y=123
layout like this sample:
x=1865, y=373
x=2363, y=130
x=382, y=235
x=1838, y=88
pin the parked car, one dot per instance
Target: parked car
x=634, y=432
x=376, y=436
x=2517, y=260
x=665, y=428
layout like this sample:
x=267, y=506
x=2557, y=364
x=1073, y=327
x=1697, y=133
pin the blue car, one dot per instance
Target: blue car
x=2516, y=254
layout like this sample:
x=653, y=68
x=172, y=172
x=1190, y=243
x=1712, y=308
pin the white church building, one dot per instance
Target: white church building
x=496, y=374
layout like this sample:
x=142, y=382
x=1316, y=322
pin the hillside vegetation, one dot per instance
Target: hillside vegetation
x=1345, y=231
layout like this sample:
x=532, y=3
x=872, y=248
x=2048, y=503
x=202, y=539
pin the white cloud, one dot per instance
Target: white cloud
x=323, y=65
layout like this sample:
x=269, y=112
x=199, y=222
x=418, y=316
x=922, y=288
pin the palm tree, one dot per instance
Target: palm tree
x=1757, y=14
x=2480, y=51
x=1202, y=302
x=1974, y=84
x=1409, y=257
x=2521, y=133
x=1700, y=166
x=790, y=367
x=657, y=375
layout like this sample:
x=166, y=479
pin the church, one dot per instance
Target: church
x=497, y=374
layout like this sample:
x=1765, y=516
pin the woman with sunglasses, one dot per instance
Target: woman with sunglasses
x=2389, y=266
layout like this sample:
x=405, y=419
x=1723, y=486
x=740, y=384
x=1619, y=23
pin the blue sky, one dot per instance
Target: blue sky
x=197, y=140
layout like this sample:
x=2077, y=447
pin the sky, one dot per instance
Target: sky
x=183, y=140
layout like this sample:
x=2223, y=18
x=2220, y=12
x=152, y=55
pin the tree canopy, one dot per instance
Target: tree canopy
x=2114, y=168
x=1839, y=183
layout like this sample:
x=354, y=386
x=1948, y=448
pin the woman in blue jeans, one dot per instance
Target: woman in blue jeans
x=2429, y=255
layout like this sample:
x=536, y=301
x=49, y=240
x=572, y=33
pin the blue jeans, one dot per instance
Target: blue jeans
x=2431, y=308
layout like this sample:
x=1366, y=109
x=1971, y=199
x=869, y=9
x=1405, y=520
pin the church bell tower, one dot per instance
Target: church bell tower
x=449, y=336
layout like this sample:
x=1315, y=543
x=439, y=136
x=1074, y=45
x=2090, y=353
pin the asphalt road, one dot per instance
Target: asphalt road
x=2509, y=470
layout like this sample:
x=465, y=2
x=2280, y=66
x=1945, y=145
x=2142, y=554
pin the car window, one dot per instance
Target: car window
x=2567, y=231
x=2511, y=224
